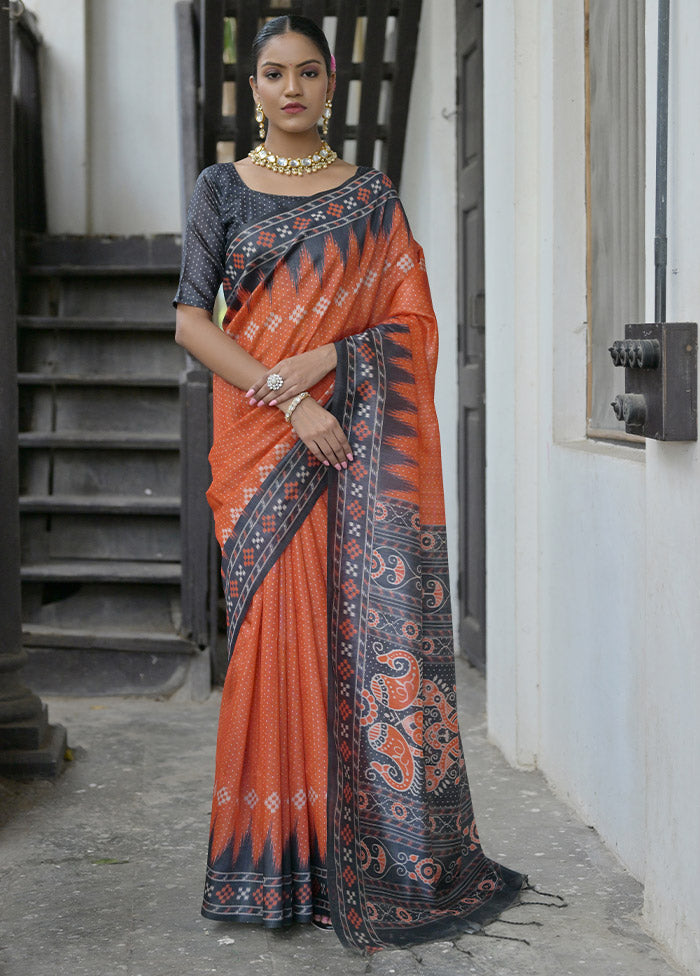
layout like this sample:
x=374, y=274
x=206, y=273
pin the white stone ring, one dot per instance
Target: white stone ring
x=275, y=382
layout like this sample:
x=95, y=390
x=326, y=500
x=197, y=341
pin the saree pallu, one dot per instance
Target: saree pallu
x=341, y=787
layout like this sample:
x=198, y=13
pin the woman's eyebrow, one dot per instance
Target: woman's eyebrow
x=276, y=64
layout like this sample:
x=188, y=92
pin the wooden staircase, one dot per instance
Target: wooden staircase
x=100, y=441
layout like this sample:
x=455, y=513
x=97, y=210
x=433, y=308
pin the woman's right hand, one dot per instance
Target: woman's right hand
x=299, y=372
x=321, y=433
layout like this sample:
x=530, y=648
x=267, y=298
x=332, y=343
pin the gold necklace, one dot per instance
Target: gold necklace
x=300, y=166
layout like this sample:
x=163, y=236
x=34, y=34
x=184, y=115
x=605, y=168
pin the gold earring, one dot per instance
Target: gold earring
x=260, y=119
x=326, y=117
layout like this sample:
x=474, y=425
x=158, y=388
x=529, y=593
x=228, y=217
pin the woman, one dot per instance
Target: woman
x=341, y=794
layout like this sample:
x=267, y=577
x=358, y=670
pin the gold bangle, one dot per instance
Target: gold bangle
x=294, y=404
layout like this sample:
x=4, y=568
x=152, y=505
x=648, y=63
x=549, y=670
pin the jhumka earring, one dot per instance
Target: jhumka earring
x=260, y=119
x=326, y=117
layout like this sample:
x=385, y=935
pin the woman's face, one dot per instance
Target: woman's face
x=292, y=84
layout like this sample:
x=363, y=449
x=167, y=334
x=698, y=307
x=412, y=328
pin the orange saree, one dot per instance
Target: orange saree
x=340, y=786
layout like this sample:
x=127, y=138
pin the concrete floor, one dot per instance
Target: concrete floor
x=101, y=871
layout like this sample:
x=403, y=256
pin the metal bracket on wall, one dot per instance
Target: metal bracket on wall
x=661, y=380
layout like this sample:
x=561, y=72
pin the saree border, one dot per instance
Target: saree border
x=267, y=240
x=404, y=860
x=241, y=890
x=265, y=528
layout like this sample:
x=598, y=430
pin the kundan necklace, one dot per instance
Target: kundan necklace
x=300, y=166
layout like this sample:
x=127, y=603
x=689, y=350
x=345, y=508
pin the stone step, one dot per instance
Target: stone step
x=107, y=639
x=128, y=254
x=100, y=356
x=89, y=324
x=101, y=380
x=96, y=439
x=101, y=504
x=102, y=571
x=100, y=271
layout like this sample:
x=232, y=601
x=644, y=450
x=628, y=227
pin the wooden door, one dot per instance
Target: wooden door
x=471, y=424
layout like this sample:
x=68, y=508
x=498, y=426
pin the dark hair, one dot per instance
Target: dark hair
x=288, y=24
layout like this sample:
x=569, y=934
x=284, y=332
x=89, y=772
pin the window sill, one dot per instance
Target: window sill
x=620, y=450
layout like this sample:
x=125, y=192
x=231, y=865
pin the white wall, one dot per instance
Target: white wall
x=511, y=124
x=110, y=116
x=64, y=106
x=134, y=150
x=429, y=195
x=672, y=585
x=593, y=550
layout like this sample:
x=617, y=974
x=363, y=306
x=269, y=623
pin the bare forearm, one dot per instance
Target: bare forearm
x=195, y=331
x=222, y=354
x=320, y=431
x=328, y=357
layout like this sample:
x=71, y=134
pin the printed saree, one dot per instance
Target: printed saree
x=340, y=786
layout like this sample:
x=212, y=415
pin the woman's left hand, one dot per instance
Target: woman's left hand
x=298, y=373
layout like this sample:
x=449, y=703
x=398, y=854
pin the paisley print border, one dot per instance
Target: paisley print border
x=404, y=859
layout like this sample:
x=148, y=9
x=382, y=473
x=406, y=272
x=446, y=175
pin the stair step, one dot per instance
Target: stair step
x=95, y=324
x=103, y=571
x=101, y=504
x=100, y=271
x=106, y=439
x=101, y=380
x=150, y=642
x=147, y=253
